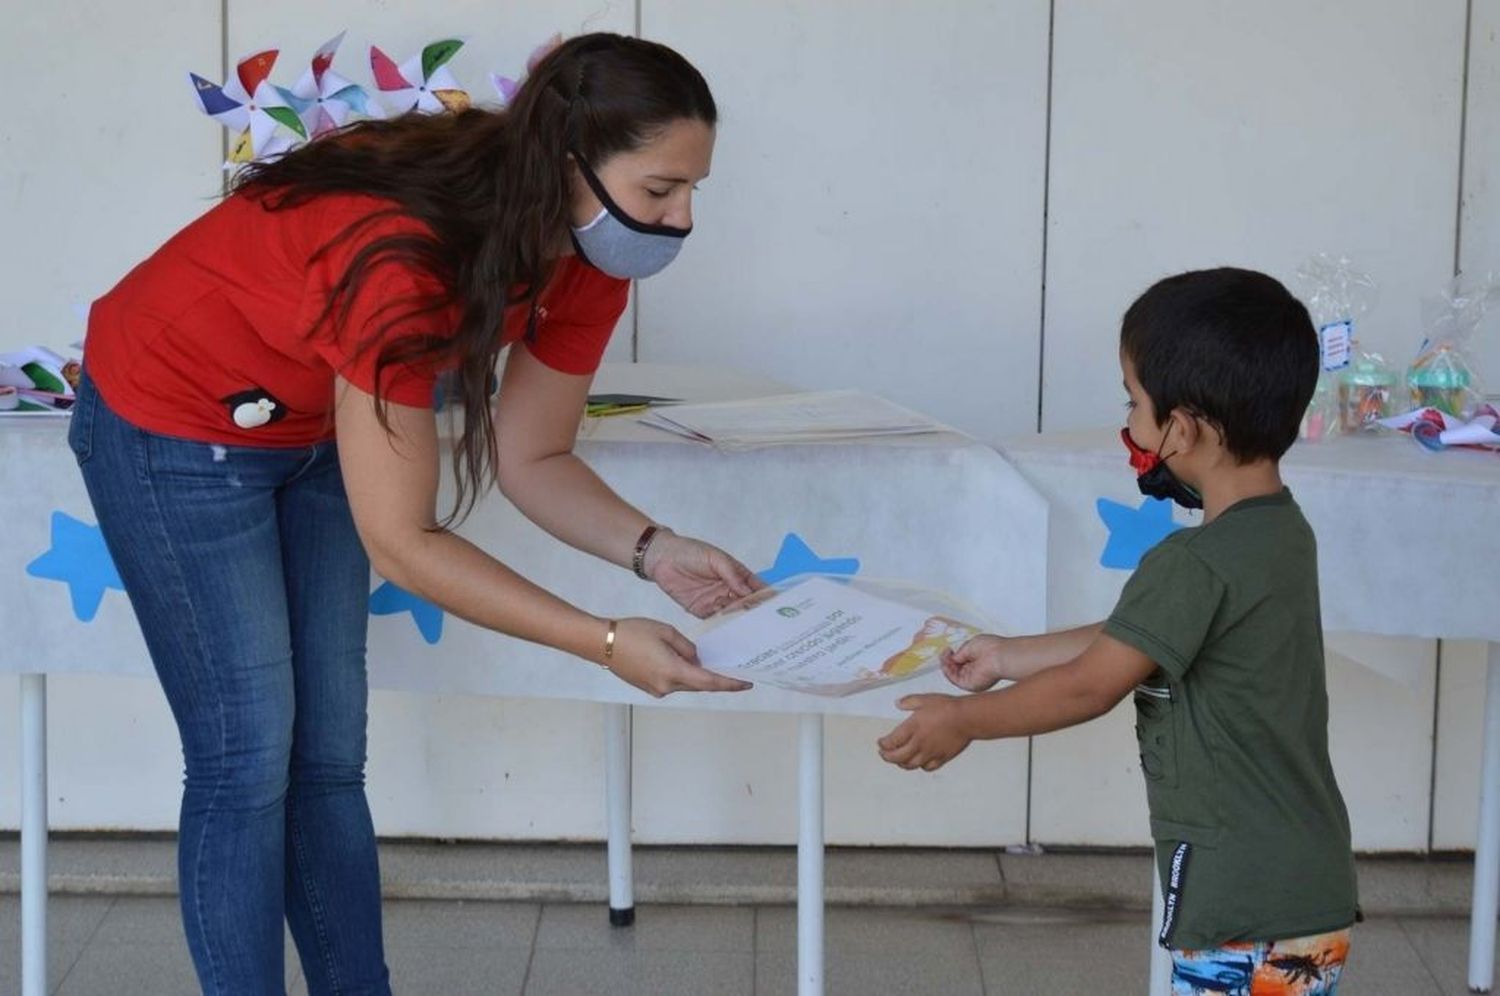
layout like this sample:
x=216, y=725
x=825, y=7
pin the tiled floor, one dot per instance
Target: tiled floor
x=133, y=945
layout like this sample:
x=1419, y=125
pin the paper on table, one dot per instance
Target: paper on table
x=791, y=418
x=32, y=382
x=1436, y=429
x=11, y=374
x=835, y=637
x=601, y=405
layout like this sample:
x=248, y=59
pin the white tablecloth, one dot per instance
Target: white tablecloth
x=1408, y=540
x=939, y=510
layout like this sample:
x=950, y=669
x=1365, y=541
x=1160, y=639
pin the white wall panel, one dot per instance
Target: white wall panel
x=114, y=760
x=103, y=154
x=1380, y=737
x=484, y=768
x=439, y=766
x=874, y=215
x=1188, y=134
x=732, y=779
x=1460, y=732
x=1480, y=244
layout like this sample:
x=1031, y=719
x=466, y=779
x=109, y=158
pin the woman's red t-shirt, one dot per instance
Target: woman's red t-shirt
x=212, y=337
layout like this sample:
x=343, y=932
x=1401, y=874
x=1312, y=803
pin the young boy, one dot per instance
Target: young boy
x=1219, y=637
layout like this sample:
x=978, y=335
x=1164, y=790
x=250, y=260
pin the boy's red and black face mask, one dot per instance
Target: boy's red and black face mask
x=1155, y=478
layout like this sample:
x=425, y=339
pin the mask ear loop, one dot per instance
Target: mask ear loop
x=1163, y=443
x=619, y=213
x=1162, y=462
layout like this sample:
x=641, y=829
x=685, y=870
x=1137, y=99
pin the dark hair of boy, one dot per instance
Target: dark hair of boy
x=1230, y=346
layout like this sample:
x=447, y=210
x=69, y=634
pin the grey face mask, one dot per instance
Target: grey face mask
x=619, y=245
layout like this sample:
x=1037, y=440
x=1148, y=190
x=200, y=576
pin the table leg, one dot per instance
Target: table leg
x=617, y=761
x=810, y=857
x=33, y=835
x=1487, y=844
x=1161, y=960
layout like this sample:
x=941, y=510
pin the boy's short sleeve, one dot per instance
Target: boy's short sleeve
x=1168, y=607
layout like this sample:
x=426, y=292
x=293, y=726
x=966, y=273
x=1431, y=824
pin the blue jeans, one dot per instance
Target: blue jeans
x=251, y=588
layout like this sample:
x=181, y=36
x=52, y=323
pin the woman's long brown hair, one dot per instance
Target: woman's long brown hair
x=494, y=189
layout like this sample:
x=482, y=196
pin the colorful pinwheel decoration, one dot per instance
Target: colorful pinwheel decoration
x=422, y=82
x=324, y=100
x=255, y=112
x=505, y=87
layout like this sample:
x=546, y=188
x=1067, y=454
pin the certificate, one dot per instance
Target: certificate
x=835, y=637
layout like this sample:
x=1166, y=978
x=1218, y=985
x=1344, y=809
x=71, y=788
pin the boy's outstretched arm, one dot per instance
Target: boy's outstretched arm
x=941, y=726
x=986, y=659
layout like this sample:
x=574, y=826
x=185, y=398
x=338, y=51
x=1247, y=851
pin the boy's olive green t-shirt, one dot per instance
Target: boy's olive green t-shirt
x=1233, y=730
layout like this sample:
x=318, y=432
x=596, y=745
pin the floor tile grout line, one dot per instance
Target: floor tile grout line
x=82, y=948
x=754, y=950
x=984, y=985
x=1416, y=949
x=536, y=931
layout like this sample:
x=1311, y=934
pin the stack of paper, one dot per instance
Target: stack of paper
x=36, y=381
x=791, y=418
x=606, y=405
x=1435, y=429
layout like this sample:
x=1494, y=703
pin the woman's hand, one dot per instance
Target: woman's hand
x=699, y=576
x=658, y=660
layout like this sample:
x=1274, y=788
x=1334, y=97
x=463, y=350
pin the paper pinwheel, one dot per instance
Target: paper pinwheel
x=323, y=99
x=252, y=109
x=422, y=82
x=505, y=87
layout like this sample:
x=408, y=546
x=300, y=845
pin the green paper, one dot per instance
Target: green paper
x=437, y=53
x=287, y=117
x=44, y=379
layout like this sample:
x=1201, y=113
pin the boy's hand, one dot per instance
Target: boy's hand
x=979, y=663
x=929, y=738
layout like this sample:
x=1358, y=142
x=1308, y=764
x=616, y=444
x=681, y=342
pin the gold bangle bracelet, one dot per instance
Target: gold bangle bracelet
x=609, y=642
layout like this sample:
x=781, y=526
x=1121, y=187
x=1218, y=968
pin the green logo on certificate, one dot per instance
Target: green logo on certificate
x=788, y=611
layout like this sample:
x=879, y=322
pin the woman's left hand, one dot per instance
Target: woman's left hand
x=699, y=576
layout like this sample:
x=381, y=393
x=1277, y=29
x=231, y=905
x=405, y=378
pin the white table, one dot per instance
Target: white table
x=1438, y=515
x=925, y=509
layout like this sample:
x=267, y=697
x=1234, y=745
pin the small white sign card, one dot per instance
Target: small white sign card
x=1336, y=342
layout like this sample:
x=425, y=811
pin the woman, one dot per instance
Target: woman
x=318, y=303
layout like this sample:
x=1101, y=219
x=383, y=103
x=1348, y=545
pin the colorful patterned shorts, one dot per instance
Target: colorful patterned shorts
x=1298, y=966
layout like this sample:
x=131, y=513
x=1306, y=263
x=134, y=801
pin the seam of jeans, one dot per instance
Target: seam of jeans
x=82, y=423
x=308, y=462
x=157, y=519
x=315, y=907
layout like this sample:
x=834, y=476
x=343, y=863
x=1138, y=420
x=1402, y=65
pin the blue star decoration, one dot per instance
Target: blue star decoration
x=390, y=599
x=796, y=557
x=1133, y=531
x=79, y=559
